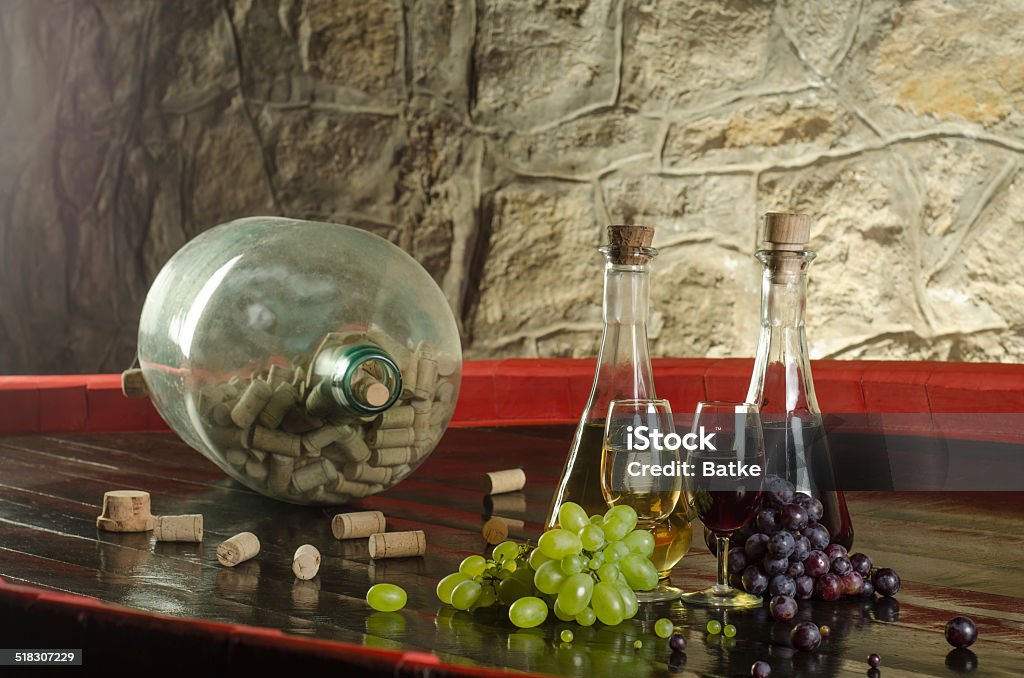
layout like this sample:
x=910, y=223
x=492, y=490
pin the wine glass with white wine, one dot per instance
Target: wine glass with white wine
x=629, y=457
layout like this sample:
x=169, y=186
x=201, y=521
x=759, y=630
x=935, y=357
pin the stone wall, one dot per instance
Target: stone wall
x=494, y=140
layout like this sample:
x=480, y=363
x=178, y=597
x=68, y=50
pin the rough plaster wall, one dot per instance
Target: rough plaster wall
x=494, y=140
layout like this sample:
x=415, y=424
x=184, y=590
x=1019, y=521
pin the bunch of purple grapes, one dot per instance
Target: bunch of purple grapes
x=784, y=551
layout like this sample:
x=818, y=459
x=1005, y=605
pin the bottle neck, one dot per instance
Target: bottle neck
x=359, y=380
x=781, y=380
x=624, y=360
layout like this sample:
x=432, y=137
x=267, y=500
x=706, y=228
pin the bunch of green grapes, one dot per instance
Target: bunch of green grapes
x=586, y=570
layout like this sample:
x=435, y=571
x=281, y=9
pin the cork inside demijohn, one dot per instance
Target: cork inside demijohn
x=627, y=243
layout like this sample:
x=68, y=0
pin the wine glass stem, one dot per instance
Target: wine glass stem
x=722, y=547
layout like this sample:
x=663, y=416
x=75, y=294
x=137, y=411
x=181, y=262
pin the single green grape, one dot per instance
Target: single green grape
x=640, y=542
x=561, y=614
x=592, y=537
x=566, y=635
x=386, y=597
x=537, y=559
x=630, y=605
x=548, y=579
x=663, y=628
x=447, y=585
x=619, y=549
x=465, y=594
x=488, y=597
x=610, y=573
x=506, y=550
x=729, y=631
x=528, y=612
x=587, y=617
x=597, y=520
x=714, y=627
x=473, y=566
x=512, y=589
x=607, y=604
x=637, y=644
x=572, y=517
x=639, y=572
x=572, y=564
x=610, y=555
x=558, y=543
x=509, y=565
x=596, y=561
x=575, y=593
x=618, y=522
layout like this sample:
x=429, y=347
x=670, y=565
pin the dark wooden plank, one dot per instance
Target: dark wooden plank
x=954, y=552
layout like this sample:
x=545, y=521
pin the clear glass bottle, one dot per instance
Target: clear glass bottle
x=781, y=384
x=315, y=363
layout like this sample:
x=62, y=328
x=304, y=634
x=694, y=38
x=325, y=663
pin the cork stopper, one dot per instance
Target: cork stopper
x=626, y=242
x=786, y=231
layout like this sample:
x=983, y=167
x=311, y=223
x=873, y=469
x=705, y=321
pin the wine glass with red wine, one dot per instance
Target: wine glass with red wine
x=724, y=479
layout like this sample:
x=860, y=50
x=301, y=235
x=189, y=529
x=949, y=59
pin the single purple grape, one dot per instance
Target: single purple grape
x=677, y=642
x=853, y=583
x=739, y=537
x=783, y=608
x=737, y=560
x=816, y=564
x=861, y=564
x=801, y=547
x=756, y=546
x=886, y=581
x=828, y=587
x=815, y=509
x=841, y=565
x=794, y=517
x=773, y=566
x=804, y=587
x=778, y=491
x=874, y=660
x=767, y=521
x=781, y=545
x=795, y=569
x=760, y=670
x=818, y=536
x=867, y=589
x=754, y=580
x=781, y=585
x=833, y=551
x=961, y=632
x=805, y=637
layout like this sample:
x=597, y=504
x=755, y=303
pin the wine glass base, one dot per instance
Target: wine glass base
x=725, y=597
x=659, y=594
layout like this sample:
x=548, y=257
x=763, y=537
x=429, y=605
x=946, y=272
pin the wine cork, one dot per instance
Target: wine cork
x=314, y=474
x=220, y=414
x=357, y=525
x=178, y=528
x=276, y=442
x=510, y=480
x=400, y=472
x=421, y=406
x=314, y=441
x=306, y=562
x=786, y=231
x=280, y=374
x=627, y=244
x=280, y=403
x=445, y=393
x=498, y=528
x=447, y=364
x=320, y=402
x=397, y=544
x=371, y=391
x=422, y=429
x=256, y=469
x=352, y=488
x=421, y=451
x=280, y=475
x=238, y=549
x=133, y=384
x=297, y=420
x=426, y=377
x=391, y=456
x=438, y=416
x=391, y=437
x=396, y=417
x=258, y=455
x=125, y=511
x=252, y=402
x=236, y=457
x=368, y=474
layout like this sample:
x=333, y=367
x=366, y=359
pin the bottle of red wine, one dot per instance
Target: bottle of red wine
x=781, y=385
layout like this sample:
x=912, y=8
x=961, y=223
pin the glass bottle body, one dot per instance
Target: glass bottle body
x=781, y=385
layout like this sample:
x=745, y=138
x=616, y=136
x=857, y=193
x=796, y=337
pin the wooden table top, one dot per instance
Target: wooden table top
x=957, y=553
